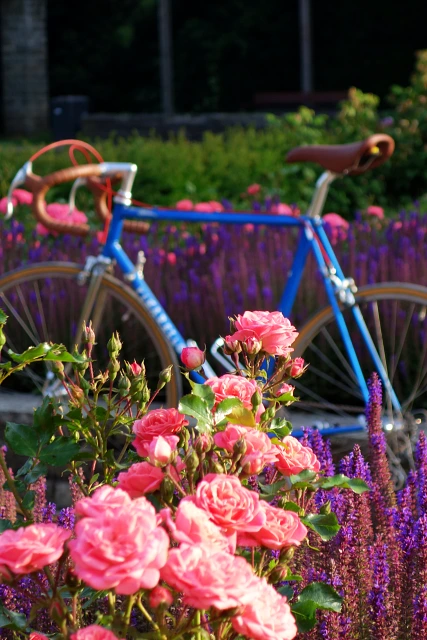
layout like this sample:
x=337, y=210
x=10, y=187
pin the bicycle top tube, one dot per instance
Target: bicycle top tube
x=124, y=212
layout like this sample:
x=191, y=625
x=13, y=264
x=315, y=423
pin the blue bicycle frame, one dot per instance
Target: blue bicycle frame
x=313, y=239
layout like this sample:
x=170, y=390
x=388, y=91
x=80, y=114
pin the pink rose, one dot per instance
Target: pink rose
x=282, y=209
x=204, y=207
x=140, y=478
x=37, y=636
x=160, y=596
x=216, y=206
x=274, y=331
x=295, y=367
x=259, y=449
x=228, y=504
x=293, y=457
x=338, y=226
x=281, y=529
x=23, y=196
x=158, y=422
x=184, y=205
x=161, y=449
x=253, y=189
x=192, y=357
x=209, y=577
x=104, y=501
x=378, y=212
x=94, y=632
x=232, y=386
x=267, y=617
x=124, y=549
x=61, y=212
x=193, y=526
x=29, y=549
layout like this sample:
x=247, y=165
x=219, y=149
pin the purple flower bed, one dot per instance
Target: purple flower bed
x=202, y=276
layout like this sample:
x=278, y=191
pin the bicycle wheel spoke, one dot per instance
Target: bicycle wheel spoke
x=18, y=318
x=351, y=390
x=403, y=337
x=322, y=355
x=323, y=402
x=41, y=312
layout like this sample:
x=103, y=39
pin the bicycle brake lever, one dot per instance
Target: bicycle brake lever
x=72, y=198
x=19, y=179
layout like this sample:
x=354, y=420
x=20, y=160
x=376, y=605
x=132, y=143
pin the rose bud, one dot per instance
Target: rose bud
x=252, y=346
x=192, y=358
x=231, y=346
x=160, y=597
x=285, y=388
x=295, y=368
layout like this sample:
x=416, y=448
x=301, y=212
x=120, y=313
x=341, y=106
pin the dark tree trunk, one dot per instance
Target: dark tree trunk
x=23, y=41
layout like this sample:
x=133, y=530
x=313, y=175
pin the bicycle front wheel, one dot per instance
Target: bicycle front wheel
x=395, y=314
x=44, y=304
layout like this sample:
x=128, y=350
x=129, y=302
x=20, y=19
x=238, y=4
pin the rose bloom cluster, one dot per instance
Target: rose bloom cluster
x=193, y=545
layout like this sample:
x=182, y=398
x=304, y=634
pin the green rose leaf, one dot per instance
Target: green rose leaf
x=29, y=499
x=22, y=439
x=286, y=591
x=225, y=407
x=325, y=525
x=269, y=491
x=323, y=596
x=35, y=473
x=303, y=480
x=205, y=392
x=45, y=420
x=305, y=615
x=291, y=506
x=241, y=415
x=280, y=427
x=5, y=524
x=3, y=317
x=60, y=353
x=59, y=452
x=355, y=484
x=12, y=620
x=197, y=408
x=31, y=354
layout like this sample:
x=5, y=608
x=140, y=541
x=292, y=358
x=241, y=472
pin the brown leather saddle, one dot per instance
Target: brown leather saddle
x=347, y=159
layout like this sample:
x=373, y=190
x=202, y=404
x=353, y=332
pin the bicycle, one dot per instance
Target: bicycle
x=379, y=327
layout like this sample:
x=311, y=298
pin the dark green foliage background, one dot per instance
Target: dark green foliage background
x=228, y=50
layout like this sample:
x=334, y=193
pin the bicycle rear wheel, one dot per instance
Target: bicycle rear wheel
x=396, y=316
x=44, y=304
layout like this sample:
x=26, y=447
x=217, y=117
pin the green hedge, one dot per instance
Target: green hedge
x=223, y=165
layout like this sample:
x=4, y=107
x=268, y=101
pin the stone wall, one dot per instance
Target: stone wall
x=23, y=41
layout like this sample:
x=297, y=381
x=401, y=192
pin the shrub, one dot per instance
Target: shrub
x=223, y=165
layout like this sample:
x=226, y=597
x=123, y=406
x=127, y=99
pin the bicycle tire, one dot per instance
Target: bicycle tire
x=35, y=292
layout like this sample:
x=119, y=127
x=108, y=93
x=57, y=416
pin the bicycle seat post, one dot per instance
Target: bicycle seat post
x=320, y=193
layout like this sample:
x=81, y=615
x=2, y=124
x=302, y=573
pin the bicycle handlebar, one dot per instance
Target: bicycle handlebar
x=93, y=173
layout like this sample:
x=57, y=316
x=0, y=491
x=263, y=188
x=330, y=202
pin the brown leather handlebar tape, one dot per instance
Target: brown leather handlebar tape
x=349, y=159
x=39, y=186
